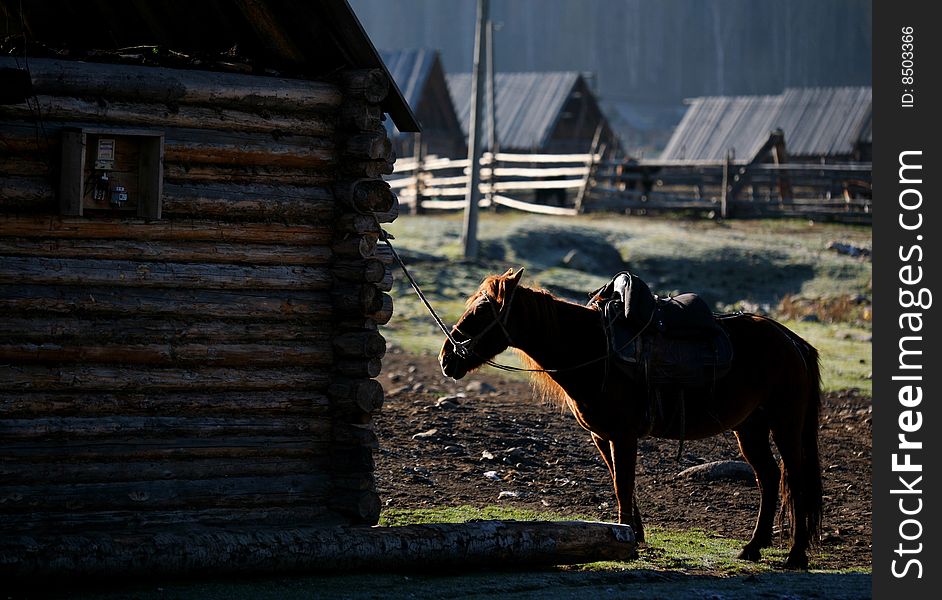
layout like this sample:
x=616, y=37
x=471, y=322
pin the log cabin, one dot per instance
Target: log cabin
x=190, y=284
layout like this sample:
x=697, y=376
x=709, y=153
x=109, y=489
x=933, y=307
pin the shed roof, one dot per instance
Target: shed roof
x=410, y=68
x=817, y=122
x=528, y=105
x=313, y=39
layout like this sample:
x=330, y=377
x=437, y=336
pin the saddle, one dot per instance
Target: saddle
x=673, y=341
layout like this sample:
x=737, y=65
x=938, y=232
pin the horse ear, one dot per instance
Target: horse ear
x=508, y=273
x=515, y=277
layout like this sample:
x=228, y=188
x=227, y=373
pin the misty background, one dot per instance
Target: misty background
x=646, y=56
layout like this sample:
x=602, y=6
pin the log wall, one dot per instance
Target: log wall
x=215, y=367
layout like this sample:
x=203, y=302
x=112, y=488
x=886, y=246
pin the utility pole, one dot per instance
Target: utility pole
x=473, y=197
x=491, y=112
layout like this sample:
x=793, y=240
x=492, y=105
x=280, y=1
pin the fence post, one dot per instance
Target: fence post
x=724, y=199
x=590, y=167
x=419, y=164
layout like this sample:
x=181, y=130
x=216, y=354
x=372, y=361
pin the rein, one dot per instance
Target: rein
x=465, y=349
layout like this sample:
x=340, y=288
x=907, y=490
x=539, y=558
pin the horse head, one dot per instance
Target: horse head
x=481, y=332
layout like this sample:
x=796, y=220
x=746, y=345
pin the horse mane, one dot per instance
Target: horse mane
x=541, y=303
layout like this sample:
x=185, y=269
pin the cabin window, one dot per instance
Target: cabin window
x=111, y=172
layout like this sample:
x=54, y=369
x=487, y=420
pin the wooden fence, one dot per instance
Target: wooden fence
x=568, y=184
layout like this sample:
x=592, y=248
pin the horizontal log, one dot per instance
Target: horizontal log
x=112, y=113
x=103, y=472
x=356, y=299
x=67, y=429
x=371, y=145
x=384, y=314
x=146, y=402
x=141, y=330
x=140, y=274
x=366, y=394
x=246, y=175
x=357, y=344
x=177, y=230
x=71, y=522
x=390, y=215
x=365, y=367
x=159, y=251
x=125, y=449
x=285, y=490
x=178, y=86
x=314, y=153
x=412, y=548
x=371, y=169
x=357, y=223
x=156, y=355
x=368, y=270
x=355, y=246
x=359, y=115
x=365, y=195
x=386, y=284
x=363, y=506
x=207, y=304
x=371, y=85
x=115, y=379
x=284, y=204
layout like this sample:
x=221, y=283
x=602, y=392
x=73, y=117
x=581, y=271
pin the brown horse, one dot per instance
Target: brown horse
x=773, y=386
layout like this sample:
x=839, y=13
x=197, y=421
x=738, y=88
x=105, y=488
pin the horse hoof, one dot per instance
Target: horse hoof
x=796, y=562
x=750, y=554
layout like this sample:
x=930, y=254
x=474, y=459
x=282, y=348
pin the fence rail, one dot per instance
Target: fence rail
x=567, y=184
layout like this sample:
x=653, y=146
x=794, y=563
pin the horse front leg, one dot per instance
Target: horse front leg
x=624, y=453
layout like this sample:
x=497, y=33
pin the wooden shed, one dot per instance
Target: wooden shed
x=420, y=76
x=190, y=285
x=552, y=112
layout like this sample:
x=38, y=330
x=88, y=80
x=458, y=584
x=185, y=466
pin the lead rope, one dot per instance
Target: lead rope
x=459, y=347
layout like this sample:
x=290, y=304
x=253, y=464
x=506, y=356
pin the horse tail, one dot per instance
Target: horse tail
x=806, y=503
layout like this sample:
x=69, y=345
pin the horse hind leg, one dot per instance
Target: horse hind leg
x=755, y=448
x=801, y=489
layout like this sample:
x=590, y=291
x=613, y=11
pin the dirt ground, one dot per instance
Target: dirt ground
x=488, y=440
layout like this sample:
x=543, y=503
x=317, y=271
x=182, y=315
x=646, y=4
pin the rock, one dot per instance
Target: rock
x=492, y=475
x=453, y=449
x=848, y=249
x=426, y=435
x=485, y=455
x=398, y=390
x=479, y=387
x=446, y=405
x=728, y=470
x=506, y=494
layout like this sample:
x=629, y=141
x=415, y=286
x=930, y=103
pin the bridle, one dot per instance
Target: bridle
x=465, y=349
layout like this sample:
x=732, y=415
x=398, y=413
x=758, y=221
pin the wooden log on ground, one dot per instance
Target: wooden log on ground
x=414, y=548
x=179, y=86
